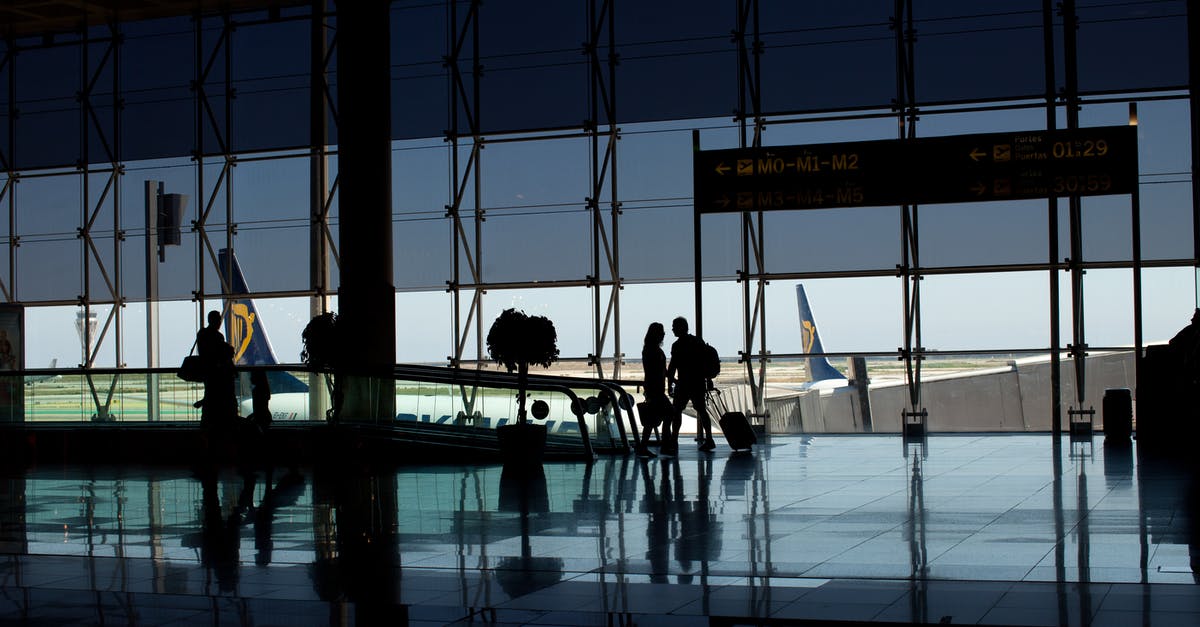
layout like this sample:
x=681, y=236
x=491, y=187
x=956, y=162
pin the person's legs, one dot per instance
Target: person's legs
x=643, y=450
x=676, y=422
x=672, y=423
x=703, y=421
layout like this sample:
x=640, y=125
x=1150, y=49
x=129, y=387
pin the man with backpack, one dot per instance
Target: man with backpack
x=687, y=380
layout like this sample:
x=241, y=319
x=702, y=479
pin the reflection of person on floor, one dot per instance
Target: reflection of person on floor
x=283, y=493
x=658, y=528
x=698, y=526
x=220, y=538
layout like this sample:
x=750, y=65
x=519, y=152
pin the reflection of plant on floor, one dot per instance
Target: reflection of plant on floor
x=523, y=490
x=518, y=341
x=322, y=351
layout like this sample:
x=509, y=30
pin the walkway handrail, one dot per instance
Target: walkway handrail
x=611, y=392
x=607, y=392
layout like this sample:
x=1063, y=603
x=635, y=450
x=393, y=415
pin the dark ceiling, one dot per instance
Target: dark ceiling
x=34, y=18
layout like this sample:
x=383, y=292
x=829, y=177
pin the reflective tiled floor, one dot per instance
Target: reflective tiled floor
x=998, y=530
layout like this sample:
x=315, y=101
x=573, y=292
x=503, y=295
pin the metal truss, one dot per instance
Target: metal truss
x=322, y=192
x=7, y=191
x=1052, y=222
x=467, y=247
x=752, y=274
x=909, y=269
x=468, y=285
x=206, y=120
x=601, y=128
x=108, y=199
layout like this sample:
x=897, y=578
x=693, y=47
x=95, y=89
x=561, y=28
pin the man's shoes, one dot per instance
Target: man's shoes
x=644, y=452
x=668, y=450
x=708, y=445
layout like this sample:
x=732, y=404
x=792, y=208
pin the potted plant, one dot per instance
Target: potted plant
x=518, y=341
x=322, y=352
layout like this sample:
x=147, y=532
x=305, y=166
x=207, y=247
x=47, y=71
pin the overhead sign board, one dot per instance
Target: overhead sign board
x=951, y=169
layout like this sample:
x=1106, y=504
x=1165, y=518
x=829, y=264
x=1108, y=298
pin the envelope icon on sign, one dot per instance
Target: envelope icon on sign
x=745, y=200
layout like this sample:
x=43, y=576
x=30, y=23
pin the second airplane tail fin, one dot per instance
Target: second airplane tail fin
x=819, y=368
x=245, y=331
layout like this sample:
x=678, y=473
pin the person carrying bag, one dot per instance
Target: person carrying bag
x=656, y=409
x=192, y=369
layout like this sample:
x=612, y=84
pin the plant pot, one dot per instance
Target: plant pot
x=521, y=444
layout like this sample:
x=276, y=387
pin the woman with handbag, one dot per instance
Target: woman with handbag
x=218, y=408
x=657, y=405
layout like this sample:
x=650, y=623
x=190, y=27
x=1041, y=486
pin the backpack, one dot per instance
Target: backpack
x=710, y=361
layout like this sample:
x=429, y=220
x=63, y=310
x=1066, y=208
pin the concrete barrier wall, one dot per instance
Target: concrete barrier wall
x=1012, y=399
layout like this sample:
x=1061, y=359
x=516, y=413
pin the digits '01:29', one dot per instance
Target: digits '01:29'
x=1085, y=148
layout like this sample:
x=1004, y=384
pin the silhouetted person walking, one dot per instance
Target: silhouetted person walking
x=1185, y=347
x=219, y=405
x=687, y=381
x=654, y=385
x=260, y=400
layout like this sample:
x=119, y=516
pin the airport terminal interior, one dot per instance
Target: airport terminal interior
x=437, y=236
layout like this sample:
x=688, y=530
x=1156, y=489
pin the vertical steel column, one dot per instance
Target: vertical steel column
x=322, y=40
x=91, y=125
x=605, y=250
x=465, y=247
x=8, y=161
x=1052, y=217
x=1078, y=347
x=1135, y=234
x=697, y=251
x=82, y=232
x=754, y=301
x=197, y=87
x=319, y=197
x=118, y=172
x=230, y=160
x=913, y=353
x=1193, y=25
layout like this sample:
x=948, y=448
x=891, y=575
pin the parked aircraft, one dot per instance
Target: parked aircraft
x=30, y=379
x=821, y=374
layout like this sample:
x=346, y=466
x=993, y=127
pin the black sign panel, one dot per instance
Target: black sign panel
x=959, y=168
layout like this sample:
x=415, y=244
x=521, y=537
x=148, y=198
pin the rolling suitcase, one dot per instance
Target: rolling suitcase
x=734, y=425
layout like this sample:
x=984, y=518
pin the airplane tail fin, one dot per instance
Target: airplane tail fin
x=819, y=368
x=245, y=330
